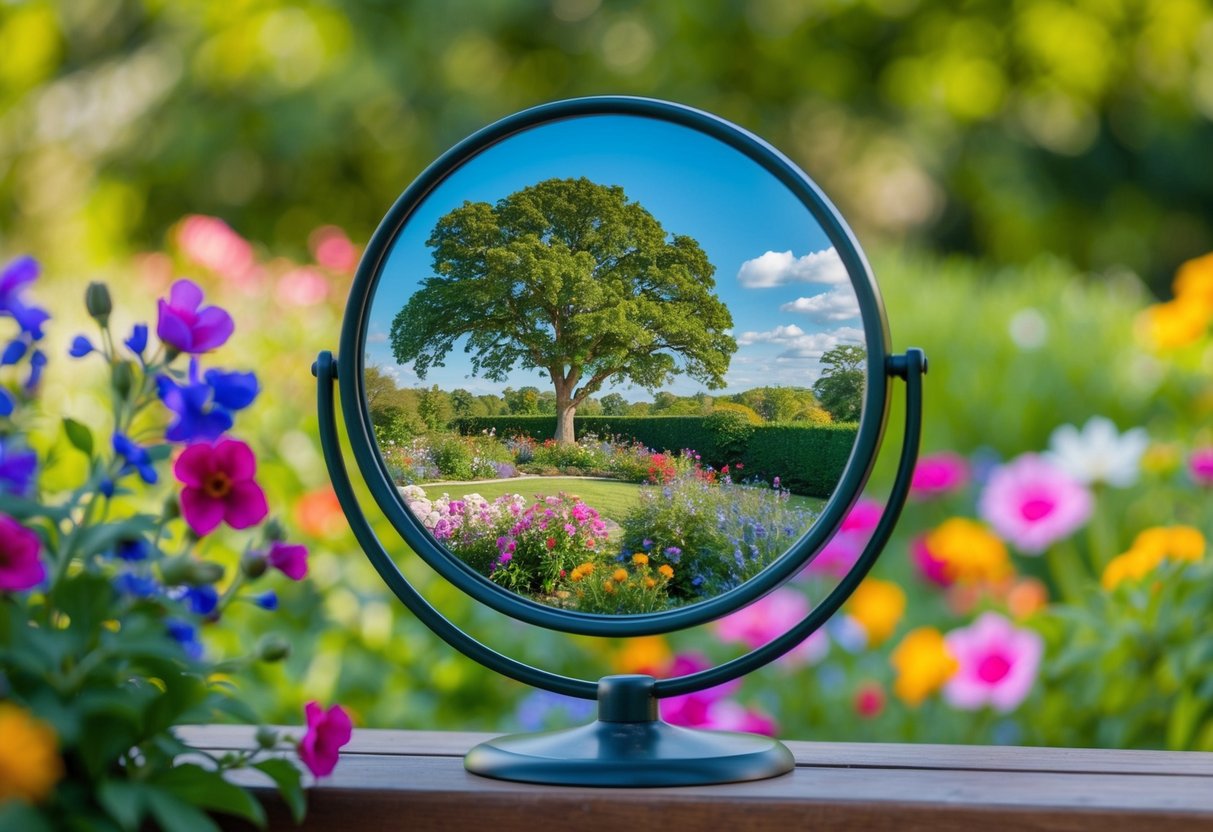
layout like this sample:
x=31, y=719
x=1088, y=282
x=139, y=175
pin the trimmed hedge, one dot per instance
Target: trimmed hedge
x=808, y=459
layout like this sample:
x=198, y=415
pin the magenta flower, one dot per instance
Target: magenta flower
x=327, y=731
x=727, y=715
x=1033, y=504
x=187, y=326
x=931, y=568
x=692, y=710
x=20, y=566
x=937, y=475
x=998, y=664
x=838, y=555
x=863, y=517
x=219, y=486
x=289, y=558
x=1200, y=466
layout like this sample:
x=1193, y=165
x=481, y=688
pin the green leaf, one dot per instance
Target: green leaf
x=1181, y=724
x=23, y=509
x=96, y=539
x=125, y=802
x=208, y=789
x=172, y=813
x=79, y=435
x=14, y=814
x=289, y=780
x=159, y=453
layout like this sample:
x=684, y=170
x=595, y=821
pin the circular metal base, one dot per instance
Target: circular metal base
x=629, y=746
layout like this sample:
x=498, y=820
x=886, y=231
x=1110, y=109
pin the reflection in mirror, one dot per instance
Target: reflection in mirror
x=614, y=365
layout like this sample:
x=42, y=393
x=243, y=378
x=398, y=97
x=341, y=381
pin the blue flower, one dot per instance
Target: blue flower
x=134, y=458
x=14, y=278
x=201, y=600
x=204, y=407
x=186, y=635
x=37, y=363
x=137, y=343
x=267, y=600
x=139, y=586
x=17, y=469
x=132, y=549
x=6, y=403
x=13, y=353
x=81, y=347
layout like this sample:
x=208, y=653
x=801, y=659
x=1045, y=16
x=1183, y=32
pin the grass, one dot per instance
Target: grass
x=612, y=498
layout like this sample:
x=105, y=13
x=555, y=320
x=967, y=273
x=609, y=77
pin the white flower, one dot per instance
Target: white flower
x=412, y=493
x=1099, y=453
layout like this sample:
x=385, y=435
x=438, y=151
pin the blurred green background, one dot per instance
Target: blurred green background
x=1026, y=177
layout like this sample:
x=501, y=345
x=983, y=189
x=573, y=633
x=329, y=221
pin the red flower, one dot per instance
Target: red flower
x=327, y=731
x=219, y=486
x=550, y=542
x=869, y=700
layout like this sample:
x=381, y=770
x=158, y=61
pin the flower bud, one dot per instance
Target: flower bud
x=254, y=563
x=98, y=303
x=274, y=530
x=273, y=649
x=203, y=572
x=124, y=378
x=266, y=737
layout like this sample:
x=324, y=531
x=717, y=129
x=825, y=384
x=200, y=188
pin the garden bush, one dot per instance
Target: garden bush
x=808, y=459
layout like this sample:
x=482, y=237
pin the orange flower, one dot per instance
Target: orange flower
x=640, y=559
x=1150, y=549
x=620, y=575
x=666, y=570
x=878, y=606
x=923, y=664
x=29, y=758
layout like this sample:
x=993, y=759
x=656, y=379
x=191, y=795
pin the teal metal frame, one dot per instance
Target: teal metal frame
x=355, y=328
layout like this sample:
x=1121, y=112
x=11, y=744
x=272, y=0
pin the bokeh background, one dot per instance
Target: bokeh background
x=1026, y=176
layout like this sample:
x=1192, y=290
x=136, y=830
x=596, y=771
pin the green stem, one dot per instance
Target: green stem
x=1065, y=571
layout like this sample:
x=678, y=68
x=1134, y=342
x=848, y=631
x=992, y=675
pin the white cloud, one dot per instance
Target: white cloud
x=777, y=268
x=799, y=345
x=838, y=304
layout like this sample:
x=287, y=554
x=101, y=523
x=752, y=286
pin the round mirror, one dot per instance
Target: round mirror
x=617, y=358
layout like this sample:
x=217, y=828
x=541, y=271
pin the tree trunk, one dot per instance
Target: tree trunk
x=564, y=422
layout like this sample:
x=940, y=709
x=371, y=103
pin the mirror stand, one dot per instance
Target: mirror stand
x=630, y=746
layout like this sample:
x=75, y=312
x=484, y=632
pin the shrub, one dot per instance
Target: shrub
x=808, y=459
x=453, y=457
x=634, y=586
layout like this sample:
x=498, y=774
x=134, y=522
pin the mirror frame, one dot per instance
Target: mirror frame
x=372, y=466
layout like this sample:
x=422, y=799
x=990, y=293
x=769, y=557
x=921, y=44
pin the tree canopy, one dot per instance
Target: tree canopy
x=571, y=278
x=840, y=387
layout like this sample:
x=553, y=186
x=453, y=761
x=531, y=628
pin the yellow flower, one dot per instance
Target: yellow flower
x=620, y=574
x=1175, y=323
x=970, y=552
x=1161, y=458
x=646, y=654
x=1194, y=282
x=608, y=587
x=29, y=760
x=923, y=665
x=640, y=559
x=666, y=570
x=878, y=606
x=1150, y=549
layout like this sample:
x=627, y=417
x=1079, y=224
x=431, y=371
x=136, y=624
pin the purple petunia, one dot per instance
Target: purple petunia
x=187, y=326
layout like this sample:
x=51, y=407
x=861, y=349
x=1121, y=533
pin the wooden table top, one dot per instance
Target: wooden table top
x=415, y=780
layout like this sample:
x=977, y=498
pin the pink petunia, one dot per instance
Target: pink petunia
x=289, y=558
x=327, y=731
x=219, y=486
x=1032, y=504
x=187, y=326
x=937, y=475
x=20, y=565
x=998, y=663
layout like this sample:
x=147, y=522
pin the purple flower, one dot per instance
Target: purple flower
x=81, y=347
x=15, y=277
x=267, y=600
x=137, y=343
x=1033, y=504
x=289, y=558
x=673, y=553
x=134, y=458
x=187, y=326
x=17, y=468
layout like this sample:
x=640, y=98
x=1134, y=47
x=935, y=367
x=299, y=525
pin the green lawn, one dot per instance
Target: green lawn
x=611, y=498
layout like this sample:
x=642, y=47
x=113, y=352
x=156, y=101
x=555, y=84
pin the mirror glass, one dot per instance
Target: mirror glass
x=614, y=365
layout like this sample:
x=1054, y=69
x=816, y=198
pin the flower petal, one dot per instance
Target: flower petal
x=236, y=459
x=192, y=467
x=245, y=505
x=186, y=295
x=172, y=329
x=202, y=513
x=212, y=329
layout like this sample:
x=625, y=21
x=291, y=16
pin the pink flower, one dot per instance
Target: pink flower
x=333, y=249
x=302, y=286
x=727, y=715
x=692, y=710
x=188, y=328
x=998, y=664
x=219, y=486
x=769, y=617
x=1200, y=466
x=869, y=700
x=1033, y=504
x=289, y=558
x=931, y=568
x=838, y=555
x=20, y=566
x=211, y=243
x=327, y=731
x=863, y=517
x=936, y=475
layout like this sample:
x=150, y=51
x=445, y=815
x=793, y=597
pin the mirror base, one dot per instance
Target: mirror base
x=629, y=746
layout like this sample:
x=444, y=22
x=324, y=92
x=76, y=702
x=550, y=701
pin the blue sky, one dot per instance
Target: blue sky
x=786, y=289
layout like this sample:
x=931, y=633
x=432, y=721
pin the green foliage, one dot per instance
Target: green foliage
x=570, y=277
x=840, y=388
x=808, y=459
